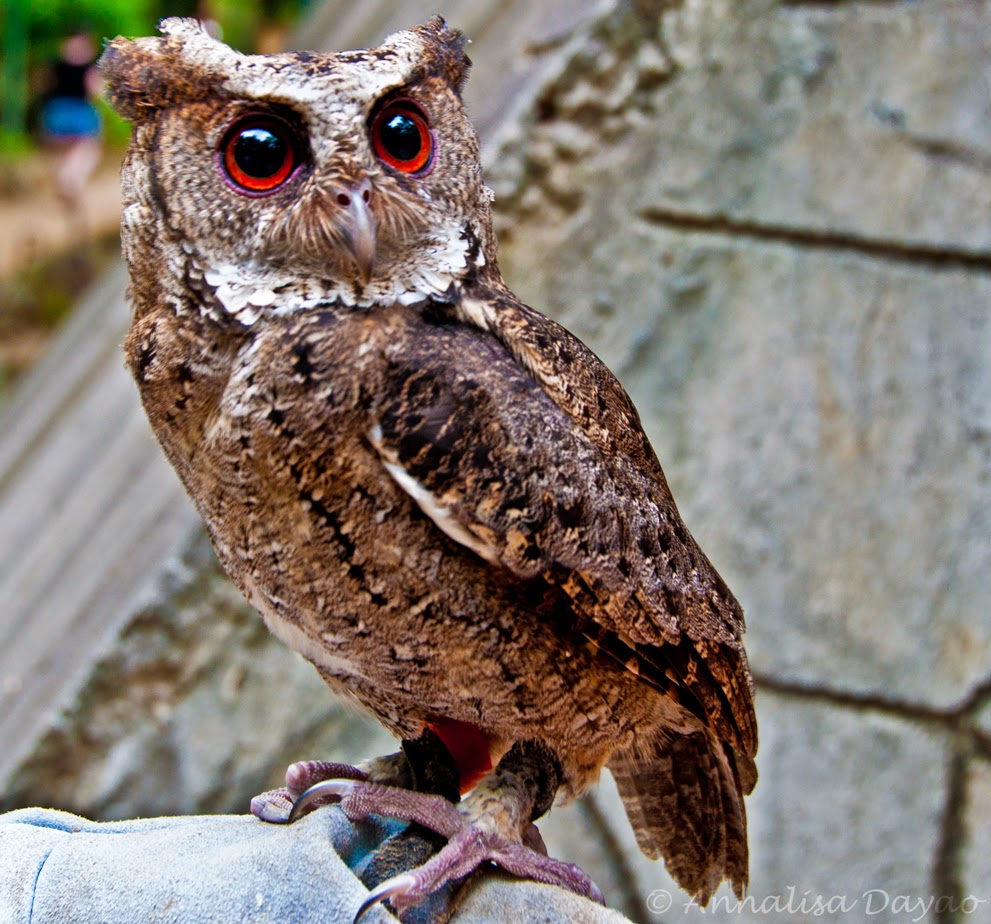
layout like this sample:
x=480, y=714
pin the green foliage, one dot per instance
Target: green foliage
x=14, y=147
x=33, y=30
x=50, y=21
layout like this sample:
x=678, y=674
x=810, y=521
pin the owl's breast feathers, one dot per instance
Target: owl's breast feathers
x=499, y=425
x=507, y=432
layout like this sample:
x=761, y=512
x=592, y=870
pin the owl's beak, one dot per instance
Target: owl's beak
x=357, y=224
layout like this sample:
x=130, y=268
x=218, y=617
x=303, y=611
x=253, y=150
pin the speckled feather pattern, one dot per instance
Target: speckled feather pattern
x=437, y=495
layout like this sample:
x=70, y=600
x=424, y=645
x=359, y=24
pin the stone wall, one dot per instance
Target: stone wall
x=773, y=221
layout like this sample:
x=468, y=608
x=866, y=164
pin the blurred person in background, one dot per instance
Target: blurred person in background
x=70, y=120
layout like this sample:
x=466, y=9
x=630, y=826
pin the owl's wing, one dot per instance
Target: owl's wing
x=520, y=445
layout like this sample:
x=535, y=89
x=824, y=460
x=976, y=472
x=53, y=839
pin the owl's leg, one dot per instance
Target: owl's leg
x=494, y=824
x=433, y=774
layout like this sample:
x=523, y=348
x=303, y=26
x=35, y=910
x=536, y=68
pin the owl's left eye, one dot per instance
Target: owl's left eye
x=258, y=154
x=402, y=138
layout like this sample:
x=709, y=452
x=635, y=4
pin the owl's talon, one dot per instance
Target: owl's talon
x=279, y=806
x=321, y=793
x=397, y=885
x=522, y=786
x=471, y=845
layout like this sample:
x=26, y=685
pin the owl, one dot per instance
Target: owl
x=438, y=496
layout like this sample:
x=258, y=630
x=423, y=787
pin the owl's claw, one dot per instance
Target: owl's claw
x=282, y=806
x=397, y=885
x=321, y=793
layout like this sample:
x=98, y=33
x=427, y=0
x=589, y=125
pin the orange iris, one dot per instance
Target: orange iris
x=259, y=154
x=401, y=137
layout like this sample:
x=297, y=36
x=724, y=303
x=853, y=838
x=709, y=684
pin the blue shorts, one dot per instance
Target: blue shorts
x=67, y=118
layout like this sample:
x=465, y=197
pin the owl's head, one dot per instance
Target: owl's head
x=276, y=180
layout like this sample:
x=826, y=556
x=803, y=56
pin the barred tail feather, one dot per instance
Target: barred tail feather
x=684, y=800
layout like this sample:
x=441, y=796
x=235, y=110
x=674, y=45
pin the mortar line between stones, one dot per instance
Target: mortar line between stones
x=946, y=882
x=932, y=256
x=957, y=721
x=631, y=903
x=982, y=745
x=908, y=710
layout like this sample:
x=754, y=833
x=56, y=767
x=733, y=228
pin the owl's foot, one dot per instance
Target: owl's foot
x=423, y=765
x=492, y=826
x=471, y=848
x=424, y=769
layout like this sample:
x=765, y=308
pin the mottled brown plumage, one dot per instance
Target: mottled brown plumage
x=437, y=495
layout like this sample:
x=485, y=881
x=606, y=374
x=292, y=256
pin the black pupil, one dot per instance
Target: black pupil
x=260, y=152
x=401, y=137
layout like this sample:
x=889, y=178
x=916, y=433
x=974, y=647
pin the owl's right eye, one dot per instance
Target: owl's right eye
x=259, y=154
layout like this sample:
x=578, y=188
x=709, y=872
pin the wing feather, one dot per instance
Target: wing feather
x=521, y=446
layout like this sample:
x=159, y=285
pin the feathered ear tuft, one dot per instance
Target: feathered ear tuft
x=147, y=74
x=447, y=48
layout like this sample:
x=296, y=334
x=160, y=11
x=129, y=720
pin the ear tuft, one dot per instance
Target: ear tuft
x=447, y=47
x=147, y=74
